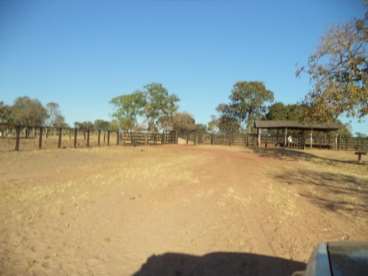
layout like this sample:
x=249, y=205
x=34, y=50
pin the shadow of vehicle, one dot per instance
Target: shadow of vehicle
x=219, y=263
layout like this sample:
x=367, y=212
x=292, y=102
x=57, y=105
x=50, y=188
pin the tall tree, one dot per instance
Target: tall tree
x=55, y=118
x=339, y=72
x=28, y=112
x=183, y=122
x=160, y=106
x=128, y=108
x=248, y=100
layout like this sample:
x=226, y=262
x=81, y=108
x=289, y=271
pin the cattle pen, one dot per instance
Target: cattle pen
x=267, y=134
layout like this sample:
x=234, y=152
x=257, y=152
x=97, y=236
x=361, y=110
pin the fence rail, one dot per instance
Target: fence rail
x=250, y=140
x=37, y=137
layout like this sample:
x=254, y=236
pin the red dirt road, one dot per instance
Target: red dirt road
x=108, y=211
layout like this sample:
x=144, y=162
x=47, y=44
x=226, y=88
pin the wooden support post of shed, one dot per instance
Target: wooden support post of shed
x=88, y=131
x=40, y=138
x=285, y=137
x=75, y=137
x=259, y=132
x=59, y=140
x=99, y=137
x=17, y=138
x=117, y=137
x=336, y=141
x=187, y=138
x=311, y=138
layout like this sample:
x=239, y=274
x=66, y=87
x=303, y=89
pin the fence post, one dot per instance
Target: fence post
x=59, y=140
x=75, y=137
x=88, y=137
x=17, y=137
x=133, y=138
x=108, y=137
x=99, y=137
x=40, y=138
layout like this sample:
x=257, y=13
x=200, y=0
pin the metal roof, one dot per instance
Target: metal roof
x=295, y=125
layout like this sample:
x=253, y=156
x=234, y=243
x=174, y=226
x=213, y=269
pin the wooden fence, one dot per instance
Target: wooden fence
x=250, y=140
x=30, y=138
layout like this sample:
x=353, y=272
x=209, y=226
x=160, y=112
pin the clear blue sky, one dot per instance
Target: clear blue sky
x=82, y=53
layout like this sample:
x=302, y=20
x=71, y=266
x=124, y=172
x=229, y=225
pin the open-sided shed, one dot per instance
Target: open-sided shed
x=293, y=125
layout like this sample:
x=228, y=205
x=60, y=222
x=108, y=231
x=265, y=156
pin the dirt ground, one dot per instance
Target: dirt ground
x=175, y=210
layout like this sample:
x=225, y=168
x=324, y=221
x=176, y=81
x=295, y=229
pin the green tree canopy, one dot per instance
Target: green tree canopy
x=248, y=100
x=228, y=122
x=128, y=108
x=28, y=112
x=5, y=113
x=102, y=124
x=292, y=112
x=85, y=125
x=160, y=106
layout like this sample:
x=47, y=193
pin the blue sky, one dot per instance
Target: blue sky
x=82, y=53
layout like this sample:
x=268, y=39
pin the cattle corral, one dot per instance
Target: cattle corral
x=108, y=210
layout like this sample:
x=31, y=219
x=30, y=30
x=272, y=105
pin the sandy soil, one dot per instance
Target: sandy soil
x=175, y=210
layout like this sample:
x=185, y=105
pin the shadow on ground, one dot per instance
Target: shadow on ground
x=331, y=191
x=290, y=154
x=221, y=263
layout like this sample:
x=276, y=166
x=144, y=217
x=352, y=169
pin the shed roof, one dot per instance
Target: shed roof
x=295, y=125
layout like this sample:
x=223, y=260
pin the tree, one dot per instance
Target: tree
x=183, y=122
x=128, y=108
x=248, y=100
x=55, y=119
x=361, y=135
x=212, y=125
x=292, y=112
x=102, y=125
x=228, y=121
x=277, y=111
x=228, y=124
x=338, y=70
x=160, y=106
x=5, y=113
x=28, y=112
x=86, y=125
x=201, y=129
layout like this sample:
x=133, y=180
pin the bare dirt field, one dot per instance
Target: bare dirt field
x=175, y=210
